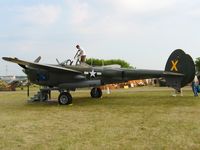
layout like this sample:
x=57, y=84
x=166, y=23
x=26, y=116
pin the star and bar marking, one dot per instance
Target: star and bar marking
x=92, y=73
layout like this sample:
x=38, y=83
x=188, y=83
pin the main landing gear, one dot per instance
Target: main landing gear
x=65, y=98
x=42, y=95
x=96, y=93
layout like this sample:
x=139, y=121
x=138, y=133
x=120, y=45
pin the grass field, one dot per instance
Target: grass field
x=125, y=119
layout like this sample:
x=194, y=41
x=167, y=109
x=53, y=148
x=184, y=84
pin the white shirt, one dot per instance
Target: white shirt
x=196, y=81
x=82, y=52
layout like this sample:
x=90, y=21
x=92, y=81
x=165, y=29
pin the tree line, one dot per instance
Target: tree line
x=102, y=62
x=197, y=64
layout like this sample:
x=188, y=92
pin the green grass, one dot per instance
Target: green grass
x=127, y=119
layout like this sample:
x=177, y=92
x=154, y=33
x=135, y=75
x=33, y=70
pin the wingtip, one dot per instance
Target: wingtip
x=5, y=58
x=8, y=58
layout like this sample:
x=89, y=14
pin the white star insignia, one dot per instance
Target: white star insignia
x=92, y=73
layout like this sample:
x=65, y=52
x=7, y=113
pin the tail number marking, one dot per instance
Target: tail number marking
x=174, y=65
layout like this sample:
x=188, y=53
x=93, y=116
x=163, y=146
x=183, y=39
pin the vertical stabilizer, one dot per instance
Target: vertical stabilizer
x=180, y=62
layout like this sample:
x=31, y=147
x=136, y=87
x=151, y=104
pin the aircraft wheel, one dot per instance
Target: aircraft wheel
x=96, y=93
x=65, y=98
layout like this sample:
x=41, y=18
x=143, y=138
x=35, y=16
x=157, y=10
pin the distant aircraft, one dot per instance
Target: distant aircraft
x=14, y=81
x=64, y=77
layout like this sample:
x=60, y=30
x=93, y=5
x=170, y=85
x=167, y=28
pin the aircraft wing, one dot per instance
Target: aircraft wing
x=26, y=64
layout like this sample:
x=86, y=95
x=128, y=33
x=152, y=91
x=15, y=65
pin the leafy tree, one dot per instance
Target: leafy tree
x=100, y=62
x=197, y=64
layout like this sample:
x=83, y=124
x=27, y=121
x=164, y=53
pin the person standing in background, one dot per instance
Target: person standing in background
x=195, y=86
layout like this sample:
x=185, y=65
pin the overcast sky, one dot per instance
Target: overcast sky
x=142, y=32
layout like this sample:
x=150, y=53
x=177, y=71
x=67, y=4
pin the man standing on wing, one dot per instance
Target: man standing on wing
x=80, y=55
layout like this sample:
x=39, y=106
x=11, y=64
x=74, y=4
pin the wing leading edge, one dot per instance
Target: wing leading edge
x=26, y=64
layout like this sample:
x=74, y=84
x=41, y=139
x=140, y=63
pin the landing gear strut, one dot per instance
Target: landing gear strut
x=96, y=93
x=42, y=95
x=65, y=98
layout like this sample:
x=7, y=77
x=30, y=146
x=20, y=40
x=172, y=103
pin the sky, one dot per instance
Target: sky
x=141, y=32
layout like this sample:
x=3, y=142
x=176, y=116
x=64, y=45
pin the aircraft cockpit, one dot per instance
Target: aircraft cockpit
x=69, y=62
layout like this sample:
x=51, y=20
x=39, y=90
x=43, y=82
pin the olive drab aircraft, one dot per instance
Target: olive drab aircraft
x=66, y=76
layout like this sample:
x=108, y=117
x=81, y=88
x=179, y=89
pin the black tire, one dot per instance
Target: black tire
x=65, y=98
x=96, y=93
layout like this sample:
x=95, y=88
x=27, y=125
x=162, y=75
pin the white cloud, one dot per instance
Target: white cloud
x=85, y=18
x=40, y=14
x=194, y=13
x=110, y=26
x=140, y=6
x=111, y=16
x=79, y=13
